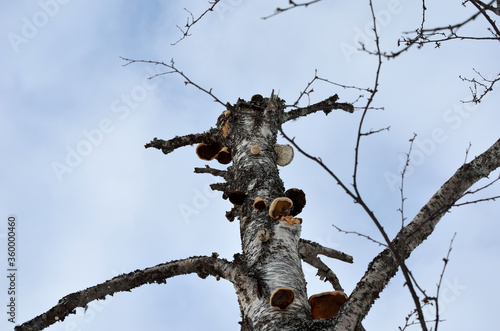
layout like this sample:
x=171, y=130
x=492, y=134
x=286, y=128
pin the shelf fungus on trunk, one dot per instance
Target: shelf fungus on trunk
x=284, y=154
x=208, y=152
x=291, y=220
x=259, y=204
x=327, y=304
x=237, y=197
x=225, y=129
x=280, y=207
x=298, y=198
x=282, y=298
x=224, y=156
x=255, y=150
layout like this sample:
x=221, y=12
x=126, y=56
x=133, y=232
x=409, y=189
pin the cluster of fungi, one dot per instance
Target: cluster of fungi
x=282, y=209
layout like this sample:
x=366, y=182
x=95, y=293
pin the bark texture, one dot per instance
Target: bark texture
x=275, y=262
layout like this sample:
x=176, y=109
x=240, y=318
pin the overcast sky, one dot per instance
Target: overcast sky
x=92, y=203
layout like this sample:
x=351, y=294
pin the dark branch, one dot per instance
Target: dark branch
x=177, y=71
x=486, y=85
x=212, y=171
x=167, y=146
x=193, y=21
x=359, y=235
x=292, y=6
x=326, y=106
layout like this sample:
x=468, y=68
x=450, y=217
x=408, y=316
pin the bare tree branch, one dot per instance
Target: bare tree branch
x=440, y=34
x=385, y=266
x=168, y=146
x=192, y=21
x=326, y=106
x=212, y=171
x=177, y=71
x=292, y=6
x=309, y=251
x=308, y=247
x=488, y=18
x=359, y=235
x=307, y=91
x=486, y=85
x=203, y=266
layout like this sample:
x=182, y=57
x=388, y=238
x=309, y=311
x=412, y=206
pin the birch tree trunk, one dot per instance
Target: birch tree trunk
x=270, y=247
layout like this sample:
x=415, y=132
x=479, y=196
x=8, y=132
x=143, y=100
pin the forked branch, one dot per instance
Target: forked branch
x=192, y=21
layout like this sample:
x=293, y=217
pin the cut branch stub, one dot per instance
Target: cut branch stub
x=282, y=298
x=298, y=198
x=263, y=235
x=280, y=207
x=327, y=304
x=284, y=154
x=208, y=152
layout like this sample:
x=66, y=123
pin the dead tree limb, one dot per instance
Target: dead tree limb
x=203, y=266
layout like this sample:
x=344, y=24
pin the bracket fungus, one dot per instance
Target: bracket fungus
x=224, y=156
x=255, y=150
x=284, y=154
x=237, y=197
x=282, y=298
x=298, y=198
x=259, y=204
x=291, y=220
x=327, y=304
x=225, y=129
x=208, y=152
x=257, y=98
x=280, y=207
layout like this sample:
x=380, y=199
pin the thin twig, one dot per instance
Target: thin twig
x=189, y=24
x=359, y=235
x=292, y=6
x=177, y=71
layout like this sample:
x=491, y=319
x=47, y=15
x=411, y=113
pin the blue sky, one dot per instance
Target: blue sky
x=67, y=100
